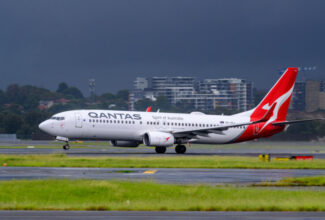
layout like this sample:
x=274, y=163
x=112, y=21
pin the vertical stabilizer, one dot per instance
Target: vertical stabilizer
x=279, y=95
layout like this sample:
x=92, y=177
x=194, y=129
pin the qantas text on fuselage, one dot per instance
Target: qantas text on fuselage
x=161, y=130
x=117, y=115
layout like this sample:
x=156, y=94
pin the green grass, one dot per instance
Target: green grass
x=123, y=195
x=61, y=160
x=296, y=181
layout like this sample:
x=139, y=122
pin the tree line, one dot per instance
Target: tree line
x=20, y=111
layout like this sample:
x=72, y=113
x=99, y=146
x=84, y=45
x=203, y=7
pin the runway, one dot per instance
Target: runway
x=143, y=152
x=131, y=215
x=166, y=175
x=316, y=149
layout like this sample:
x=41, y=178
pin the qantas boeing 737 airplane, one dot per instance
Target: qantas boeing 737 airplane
x=162, y=130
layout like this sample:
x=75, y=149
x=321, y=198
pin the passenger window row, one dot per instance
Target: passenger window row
x=189, y=124
x=182, y=124
x=111, y=121
x=153, y=123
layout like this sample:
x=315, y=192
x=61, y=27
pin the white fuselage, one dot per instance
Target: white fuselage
x=132, y=125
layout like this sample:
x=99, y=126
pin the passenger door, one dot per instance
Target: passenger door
x=78, y=120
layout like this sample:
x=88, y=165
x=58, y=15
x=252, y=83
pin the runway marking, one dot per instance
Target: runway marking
x=150, y=172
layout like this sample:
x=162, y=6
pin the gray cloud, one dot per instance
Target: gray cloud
x=45, y=42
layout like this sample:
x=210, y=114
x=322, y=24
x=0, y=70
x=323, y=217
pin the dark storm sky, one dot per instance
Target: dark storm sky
x=49, y=41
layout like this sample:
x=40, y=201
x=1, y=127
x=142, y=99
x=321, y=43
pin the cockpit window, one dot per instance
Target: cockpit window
x=57, y=118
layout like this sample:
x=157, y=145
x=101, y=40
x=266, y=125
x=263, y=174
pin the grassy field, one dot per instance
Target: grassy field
x=61, y=160
x=296, y=181
x=122, y=195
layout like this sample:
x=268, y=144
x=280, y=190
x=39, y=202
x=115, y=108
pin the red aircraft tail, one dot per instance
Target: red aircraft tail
x=148, y=109
x=279, y=97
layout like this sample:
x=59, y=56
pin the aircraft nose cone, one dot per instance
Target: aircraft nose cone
x=44, y=126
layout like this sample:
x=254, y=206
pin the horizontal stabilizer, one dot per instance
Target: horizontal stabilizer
x=296, y=121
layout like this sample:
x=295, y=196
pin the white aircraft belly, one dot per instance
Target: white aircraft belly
x=212, y=138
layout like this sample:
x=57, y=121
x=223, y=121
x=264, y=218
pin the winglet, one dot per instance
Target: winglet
x=148, y=109
x=296, y=121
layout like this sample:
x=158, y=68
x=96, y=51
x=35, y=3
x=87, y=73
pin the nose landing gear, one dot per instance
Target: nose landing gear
x=64, y=139
x=66, y=146
x=180, y=149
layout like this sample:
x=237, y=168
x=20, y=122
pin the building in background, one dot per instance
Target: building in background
x=298, y=97
x=204, y=95
x=322, y=95
x=308, y=96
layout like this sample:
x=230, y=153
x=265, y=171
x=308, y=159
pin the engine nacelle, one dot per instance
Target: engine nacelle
x=116, y=143
x=158, y=139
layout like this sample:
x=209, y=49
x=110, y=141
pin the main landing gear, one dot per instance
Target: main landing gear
x=180, y=149
x=160, y=150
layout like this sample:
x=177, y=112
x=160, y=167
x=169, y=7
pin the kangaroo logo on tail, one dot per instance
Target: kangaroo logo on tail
x=280, y=95
x=278, y=103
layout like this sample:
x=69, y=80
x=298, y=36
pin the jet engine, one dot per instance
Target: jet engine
x=158, y=139
x=116, y=143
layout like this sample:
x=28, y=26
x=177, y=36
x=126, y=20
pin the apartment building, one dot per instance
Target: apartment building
x=204, y=95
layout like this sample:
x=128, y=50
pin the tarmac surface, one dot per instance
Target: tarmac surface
x=114, y=151
x=81, y=215
x=161, y=175
x=316, y=149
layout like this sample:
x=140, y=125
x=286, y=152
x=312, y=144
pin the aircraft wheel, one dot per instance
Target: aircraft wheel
x=180, y=149
x=66, y=147
x=160, y=150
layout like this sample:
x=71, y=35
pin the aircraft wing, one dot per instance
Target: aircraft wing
x=296, y=121
x=220, y=128
x=205, y=131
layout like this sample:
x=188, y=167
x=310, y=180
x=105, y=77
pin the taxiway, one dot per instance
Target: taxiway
x=162, y=175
